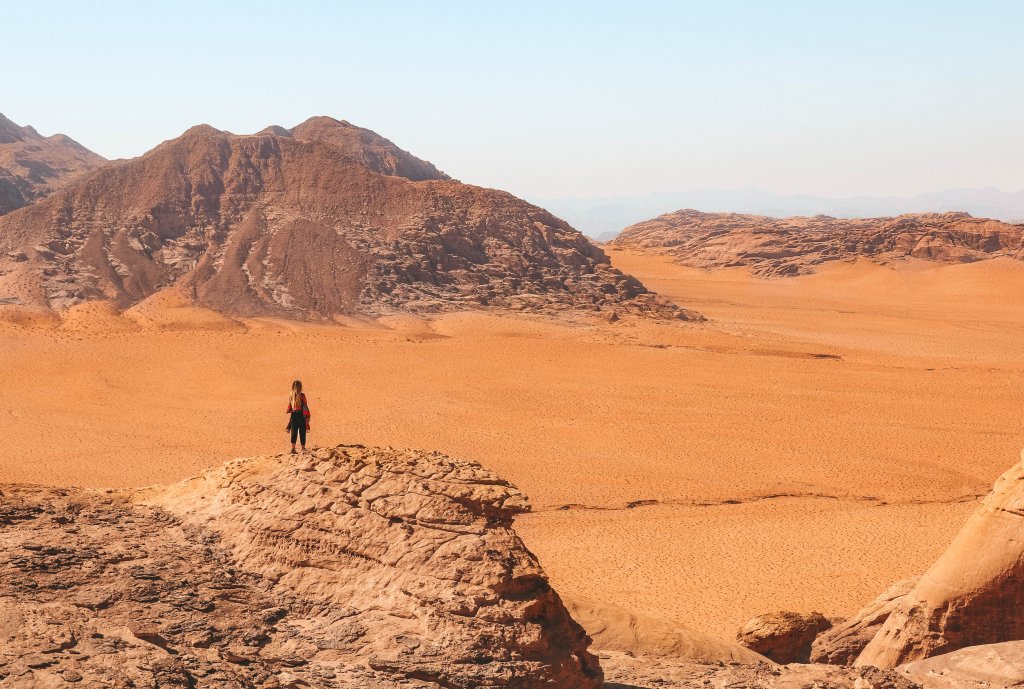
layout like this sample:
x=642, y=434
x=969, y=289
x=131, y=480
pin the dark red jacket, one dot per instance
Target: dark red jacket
x=305, y=407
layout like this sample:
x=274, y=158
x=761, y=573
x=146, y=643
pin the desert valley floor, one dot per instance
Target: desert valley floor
x=817, y=439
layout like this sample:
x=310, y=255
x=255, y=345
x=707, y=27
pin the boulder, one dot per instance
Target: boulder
x=784, y=637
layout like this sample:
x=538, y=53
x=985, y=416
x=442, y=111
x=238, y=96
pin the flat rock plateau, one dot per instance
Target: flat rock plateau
x=791, y=246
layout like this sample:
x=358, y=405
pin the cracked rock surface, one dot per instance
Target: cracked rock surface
x=344, y=567
x=841, y=644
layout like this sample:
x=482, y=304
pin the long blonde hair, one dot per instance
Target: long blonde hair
x=297, y=395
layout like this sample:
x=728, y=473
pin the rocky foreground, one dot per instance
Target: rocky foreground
x=320, y=220
x=344, y=568
x=793, y=246
x=354, y=567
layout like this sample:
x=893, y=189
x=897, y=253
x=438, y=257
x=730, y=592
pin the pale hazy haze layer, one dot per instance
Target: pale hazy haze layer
x=557, y=99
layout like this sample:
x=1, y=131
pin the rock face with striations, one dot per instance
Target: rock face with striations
x=792, y=246
x=841, y=644
x=972, y=595
x=33, y=166
x=347, y=567
x=311, y=222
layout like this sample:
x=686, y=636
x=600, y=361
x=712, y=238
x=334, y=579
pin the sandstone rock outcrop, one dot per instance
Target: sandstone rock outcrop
x=624, y=671
x=784, y=637
x=626, y=631
x=841, y=644
x=308, y=223
x=992, y=666
x=792, y=246
x=972, y=595
x=33, y=166
x=346, y=567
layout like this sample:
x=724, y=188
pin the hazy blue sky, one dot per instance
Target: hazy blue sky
x=556, y=98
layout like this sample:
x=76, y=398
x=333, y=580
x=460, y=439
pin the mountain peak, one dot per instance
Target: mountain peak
x=33, y=166
x=324, y=121
x=274, y=130
x=329, y=219
x=368, y=147
x=202, y=130
x=11, y=132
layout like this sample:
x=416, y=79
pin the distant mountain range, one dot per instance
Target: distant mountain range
x=776, y=247
x=603, y=218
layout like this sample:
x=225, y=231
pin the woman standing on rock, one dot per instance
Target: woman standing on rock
x=298, y=415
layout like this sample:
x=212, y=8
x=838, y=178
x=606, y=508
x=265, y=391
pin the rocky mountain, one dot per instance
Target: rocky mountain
x=792, y=246
x=33, y=166
x=322, y=219
x=346, y=567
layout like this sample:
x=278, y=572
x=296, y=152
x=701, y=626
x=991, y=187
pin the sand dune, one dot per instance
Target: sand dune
x=816, y=440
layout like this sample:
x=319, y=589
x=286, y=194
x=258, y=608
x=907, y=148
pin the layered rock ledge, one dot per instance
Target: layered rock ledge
x=346, y=567
x=778, y=247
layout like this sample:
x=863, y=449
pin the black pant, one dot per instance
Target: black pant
x=298, y=427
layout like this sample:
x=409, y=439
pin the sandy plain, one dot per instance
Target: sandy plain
x=817, y=439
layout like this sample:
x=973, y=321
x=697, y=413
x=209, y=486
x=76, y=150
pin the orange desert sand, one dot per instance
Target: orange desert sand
x=819, y=438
